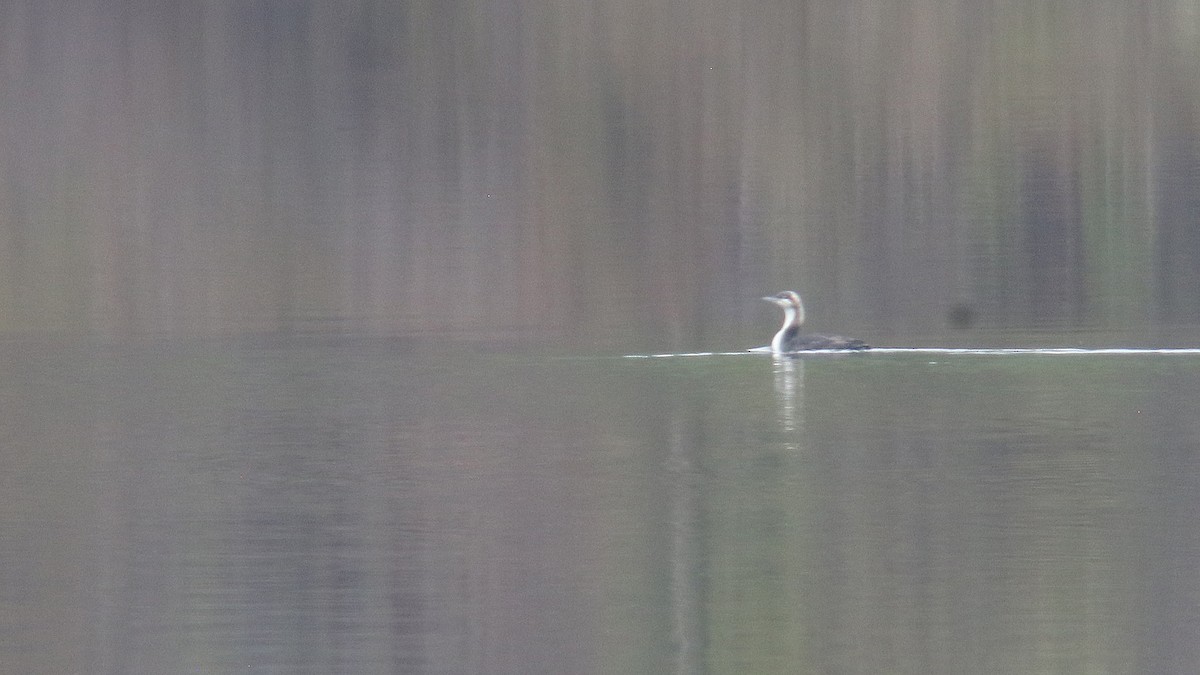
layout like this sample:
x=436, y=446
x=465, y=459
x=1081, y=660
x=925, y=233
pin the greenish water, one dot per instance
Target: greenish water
x=360, y=504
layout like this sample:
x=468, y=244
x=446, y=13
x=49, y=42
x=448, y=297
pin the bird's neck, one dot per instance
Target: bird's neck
x=792, y=317
x=790, y=320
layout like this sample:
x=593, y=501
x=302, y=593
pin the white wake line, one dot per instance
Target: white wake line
x=1049, y=351
x=668, y=356
x=1043, y=351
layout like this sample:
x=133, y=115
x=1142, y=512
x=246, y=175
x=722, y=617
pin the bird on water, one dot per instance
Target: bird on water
x=789, y=339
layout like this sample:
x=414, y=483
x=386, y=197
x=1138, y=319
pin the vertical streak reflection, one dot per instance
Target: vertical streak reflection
x=685, y=580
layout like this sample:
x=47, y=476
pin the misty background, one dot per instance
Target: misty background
x=600, y=174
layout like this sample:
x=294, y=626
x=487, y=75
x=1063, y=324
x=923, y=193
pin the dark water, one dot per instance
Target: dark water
x=343, y=504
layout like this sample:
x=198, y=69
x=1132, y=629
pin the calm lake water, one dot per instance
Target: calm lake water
x=359, y=504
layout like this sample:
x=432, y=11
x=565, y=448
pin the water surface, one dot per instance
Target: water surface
x=365, y=504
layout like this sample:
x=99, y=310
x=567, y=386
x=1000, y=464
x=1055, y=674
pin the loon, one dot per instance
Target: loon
x=789, y=339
